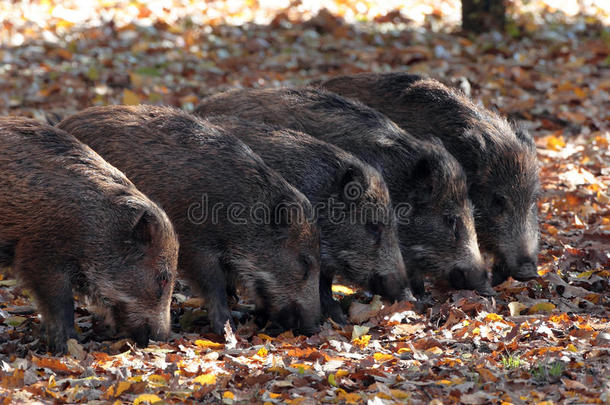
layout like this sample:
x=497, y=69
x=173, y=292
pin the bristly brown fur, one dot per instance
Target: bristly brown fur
x=363, y=246
x=421, y=174
x=200, y=174
x=500, y=161
x=70, y=221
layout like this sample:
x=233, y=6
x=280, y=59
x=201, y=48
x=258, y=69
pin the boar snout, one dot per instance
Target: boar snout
x=141, y=335
x=526, y=270
x=486, y=290
x=462, y=278
x=298, y=319
x=390, y=286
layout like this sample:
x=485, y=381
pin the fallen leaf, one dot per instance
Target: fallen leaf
x=359, y=313
x=146, y=398
x=515, y=308
x=204, y=379
x=541, y=307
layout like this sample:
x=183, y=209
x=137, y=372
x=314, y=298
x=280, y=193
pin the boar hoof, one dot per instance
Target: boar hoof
x=261, y=318
x=218, y=325
x=57, y=338
x=335, y=312
x=499, y=274
x=141, y=335
x=417, y=286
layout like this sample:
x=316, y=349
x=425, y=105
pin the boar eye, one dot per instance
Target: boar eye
x=375, y=230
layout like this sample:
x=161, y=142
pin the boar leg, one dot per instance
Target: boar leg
x=416, y=281
x=52, y=291
x=206, y=273
x=499, y=273
x=330, y=307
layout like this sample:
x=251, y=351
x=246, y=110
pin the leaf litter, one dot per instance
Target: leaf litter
x=541, y=342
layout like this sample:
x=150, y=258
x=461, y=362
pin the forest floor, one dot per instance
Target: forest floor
x=541, y=342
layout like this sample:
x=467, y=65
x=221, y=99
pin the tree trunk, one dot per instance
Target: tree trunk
x=483, y=15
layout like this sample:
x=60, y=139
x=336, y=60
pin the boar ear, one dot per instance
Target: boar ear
x=144, y=230
x=351, y=184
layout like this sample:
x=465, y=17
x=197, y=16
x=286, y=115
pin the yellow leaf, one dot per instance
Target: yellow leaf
x=559, y=318
x=301, y=366
x=274, y=395
x=541, y=307
x=351, y=398
x=383, y=395
x=204, y=379
x=208, y=344
x=571, y=348
x=341, y=289
x=228, y=394
x=399, y=394
x=341, y=373
x=150, y=398
x=331, y=380
x=121, y=388
x=157, y=380
x=586, y=274
x=130, y=98
x=555, y=142
x=262, y=352
x=494, y=317
x=264, y=337
x=362, y=341
x=296, y=401
x=382, y=357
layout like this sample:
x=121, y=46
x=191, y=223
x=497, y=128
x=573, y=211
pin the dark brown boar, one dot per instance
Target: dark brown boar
x=358, y=236
x=69, y=221
x=499, y=160
x=236, y=218
x=427, y=185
